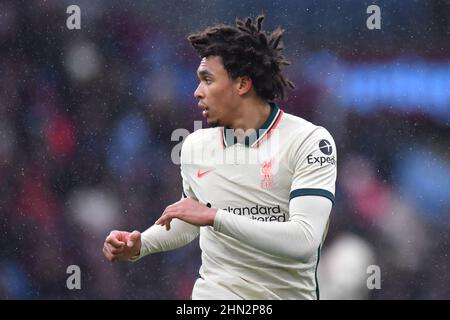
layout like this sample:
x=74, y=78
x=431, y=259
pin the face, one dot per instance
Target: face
x=217, y=93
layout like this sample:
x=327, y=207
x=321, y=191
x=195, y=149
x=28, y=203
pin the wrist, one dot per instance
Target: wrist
x=137, y=253
x=136, y=256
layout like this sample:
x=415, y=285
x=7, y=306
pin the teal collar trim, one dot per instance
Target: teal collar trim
x=229, y=138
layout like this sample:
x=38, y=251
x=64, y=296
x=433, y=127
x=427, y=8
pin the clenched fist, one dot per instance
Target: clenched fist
x=122, y=245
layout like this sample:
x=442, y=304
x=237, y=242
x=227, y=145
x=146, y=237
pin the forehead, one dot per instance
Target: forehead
x=212, y=65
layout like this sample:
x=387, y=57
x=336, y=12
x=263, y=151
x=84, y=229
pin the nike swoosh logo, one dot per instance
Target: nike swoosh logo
x=201, y=174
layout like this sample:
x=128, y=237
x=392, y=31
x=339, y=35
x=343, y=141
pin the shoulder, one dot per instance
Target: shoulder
x=200, y=136
x=300, y=130
x=306, y=139
x=197, y=141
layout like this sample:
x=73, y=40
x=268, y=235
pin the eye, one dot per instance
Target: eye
x=208, y=80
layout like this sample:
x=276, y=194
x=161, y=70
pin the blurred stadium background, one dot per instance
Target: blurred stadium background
x=86, y=118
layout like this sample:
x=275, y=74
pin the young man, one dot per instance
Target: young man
x=259, y=199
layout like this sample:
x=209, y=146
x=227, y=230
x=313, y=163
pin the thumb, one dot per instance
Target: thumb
x=133, y=238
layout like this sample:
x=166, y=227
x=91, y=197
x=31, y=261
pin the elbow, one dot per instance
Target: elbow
x=308, y=252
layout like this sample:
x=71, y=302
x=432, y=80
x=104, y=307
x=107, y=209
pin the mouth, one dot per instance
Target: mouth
x=204, y=108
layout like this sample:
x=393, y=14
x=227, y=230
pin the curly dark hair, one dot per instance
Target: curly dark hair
x=247, y=50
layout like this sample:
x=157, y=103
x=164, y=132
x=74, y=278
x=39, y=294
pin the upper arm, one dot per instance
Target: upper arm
x=185, y=160
x=314, y=164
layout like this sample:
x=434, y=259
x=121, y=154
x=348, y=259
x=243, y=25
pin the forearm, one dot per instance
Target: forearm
x=157, y=238
x=297, y=238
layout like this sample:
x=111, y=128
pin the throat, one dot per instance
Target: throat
x=250, y=118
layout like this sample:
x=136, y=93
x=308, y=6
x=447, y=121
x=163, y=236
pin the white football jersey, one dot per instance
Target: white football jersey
x=287, y=158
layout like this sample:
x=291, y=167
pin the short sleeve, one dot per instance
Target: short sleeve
x=314, y=162
x=187, y=190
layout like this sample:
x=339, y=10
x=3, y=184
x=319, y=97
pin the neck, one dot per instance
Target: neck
x=251, y=115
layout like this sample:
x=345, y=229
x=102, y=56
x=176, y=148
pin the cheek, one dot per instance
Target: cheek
x=225, y=93
x=214, y=95
x=220, y=95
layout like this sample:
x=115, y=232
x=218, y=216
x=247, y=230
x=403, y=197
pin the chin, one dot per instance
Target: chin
x=213, y=124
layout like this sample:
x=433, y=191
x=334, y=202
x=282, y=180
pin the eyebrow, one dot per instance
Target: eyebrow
x=204, y=73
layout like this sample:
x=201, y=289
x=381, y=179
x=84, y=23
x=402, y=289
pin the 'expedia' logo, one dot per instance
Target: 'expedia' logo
x=321, y=160
x=259, y=213
x=326, y=148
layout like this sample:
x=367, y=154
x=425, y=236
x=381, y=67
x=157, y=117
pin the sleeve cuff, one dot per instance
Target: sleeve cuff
x=135, y=258
x=312, y=192
x=144, y=251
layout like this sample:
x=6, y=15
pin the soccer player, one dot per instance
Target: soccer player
x=258, y=185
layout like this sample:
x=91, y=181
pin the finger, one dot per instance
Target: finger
x=174, y=205
x=133, y=238
x=114, y=241
x=116, y=251
x=167, y=224
x=168, y=209
x=165, y=216
x=160, y=219
x=108, y=254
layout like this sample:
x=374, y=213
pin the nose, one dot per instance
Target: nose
x=198, y=93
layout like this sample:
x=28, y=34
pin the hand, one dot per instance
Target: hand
x=122, y=245
x=189, y=211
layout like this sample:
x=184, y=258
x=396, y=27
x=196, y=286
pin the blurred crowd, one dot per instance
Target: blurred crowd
x=86, y=122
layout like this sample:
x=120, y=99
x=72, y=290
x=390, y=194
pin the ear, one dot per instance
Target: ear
x=244, y=84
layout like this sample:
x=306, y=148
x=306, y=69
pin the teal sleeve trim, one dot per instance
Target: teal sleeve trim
x=311, y=192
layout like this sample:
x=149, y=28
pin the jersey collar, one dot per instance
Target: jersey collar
x=254, y=140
